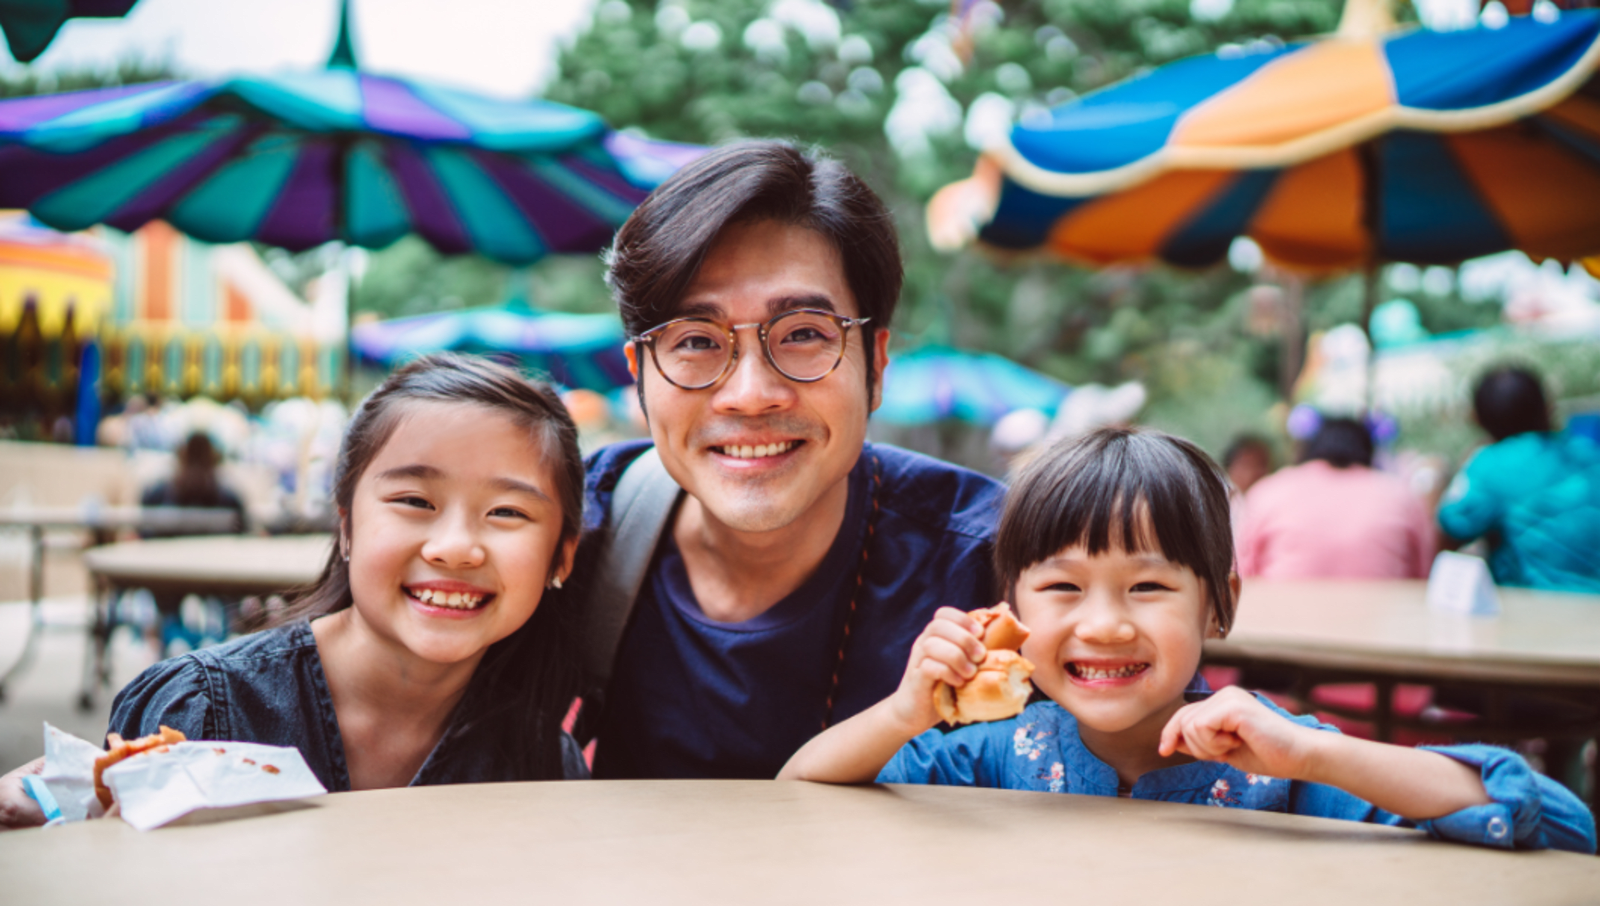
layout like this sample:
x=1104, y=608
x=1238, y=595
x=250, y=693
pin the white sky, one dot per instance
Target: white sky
x=500, y=47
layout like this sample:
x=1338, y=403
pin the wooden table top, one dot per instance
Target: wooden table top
x=240, y=563
x=1387, y=628
x=713, y=842
x=197, y=519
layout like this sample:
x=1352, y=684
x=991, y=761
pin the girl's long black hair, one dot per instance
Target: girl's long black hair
x=526, y=682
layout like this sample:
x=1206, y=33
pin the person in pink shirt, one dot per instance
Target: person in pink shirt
x=1335, y=517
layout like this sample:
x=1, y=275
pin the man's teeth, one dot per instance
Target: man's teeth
x=758, y=451
x=1094, y=673
x=461, y=600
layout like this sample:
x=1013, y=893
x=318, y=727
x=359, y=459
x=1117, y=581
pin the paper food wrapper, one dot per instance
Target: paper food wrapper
x=156, y=788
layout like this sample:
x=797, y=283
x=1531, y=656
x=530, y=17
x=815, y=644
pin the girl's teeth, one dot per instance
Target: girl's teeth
x=1095, y=673
x=457, y=599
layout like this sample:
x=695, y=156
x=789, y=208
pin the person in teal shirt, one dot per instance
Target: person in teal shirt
x=1534, y=493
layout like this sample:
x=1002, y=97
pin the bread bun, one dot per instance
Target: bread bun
x=1000, y=629
x=1000, y=689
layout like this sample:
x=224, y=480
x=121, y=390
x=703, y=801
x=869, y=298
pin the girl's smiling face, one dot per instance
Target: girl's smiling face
x=1116, y=637
x=454, y=526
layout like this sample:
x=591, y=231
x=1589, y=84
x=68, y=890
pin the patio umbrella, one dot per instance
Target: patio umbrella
x=934, y=383
x=1371, y=145
x=300, y=159
x=30, y=25
x=575, y=350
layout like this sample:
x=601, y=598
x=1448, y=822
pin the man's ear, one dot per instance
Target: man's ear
x=880, y=359
x=630, y=351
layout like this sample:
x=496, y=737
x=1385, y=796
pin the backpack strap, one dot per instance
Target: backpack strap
x=642, y=503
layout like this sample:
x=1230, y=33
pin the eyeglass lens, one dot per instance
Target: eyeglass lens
x=803, y=345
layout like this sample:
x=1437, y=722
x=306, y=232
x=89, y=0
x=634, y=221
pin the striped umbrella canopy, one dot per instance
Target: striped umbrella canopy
x=1372, y=145
x=575, y=350
x=300, y=159
x=935, y=383
x=30, y=25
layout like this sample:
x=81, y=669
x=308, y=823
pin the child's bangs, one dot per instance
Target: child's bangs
x=1112, y=506
x=1124, y=490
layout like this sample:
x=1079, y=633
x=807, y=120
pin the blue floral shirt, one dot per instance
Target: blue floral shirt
x=1040, y=750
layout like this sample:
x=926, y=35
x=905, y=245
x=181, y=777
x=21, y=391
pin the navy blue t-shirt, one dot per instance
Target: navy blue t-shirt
x=691, y=697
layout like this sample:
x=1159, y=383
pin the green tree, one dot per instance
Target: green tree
x=711, y=72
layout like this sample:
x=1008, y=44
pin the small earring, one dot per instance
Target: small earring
x=344, y=550
x=555, y=582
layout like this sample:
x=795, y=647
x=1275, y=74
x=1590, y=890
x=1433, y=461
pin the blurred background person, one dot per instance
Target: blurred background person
x=1247, y=460
x=194, y=483
x=1533, y=494
x=1333, y=516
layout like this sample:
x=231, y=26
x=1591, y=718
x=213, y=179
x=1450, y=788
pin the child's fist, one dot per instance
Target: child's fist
x=1234, y=728
x=948, y=651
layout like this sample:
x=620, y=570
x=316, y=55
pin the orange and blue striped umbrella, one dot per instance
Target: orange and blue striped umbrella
x=1422, y=146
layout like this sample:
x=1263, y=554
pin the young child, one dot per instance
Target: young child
x=1116, y=552
x=428, y=651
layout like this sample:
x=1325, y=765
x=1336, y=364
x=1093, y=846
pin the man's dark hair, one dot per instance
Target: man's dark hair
x=1510, y=400
x=1126, y=488
x=1342, y=442
x=659, y=250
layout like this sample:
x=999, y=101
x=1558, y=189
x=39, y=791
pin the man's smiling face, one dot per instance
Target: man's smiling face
x=758, y=450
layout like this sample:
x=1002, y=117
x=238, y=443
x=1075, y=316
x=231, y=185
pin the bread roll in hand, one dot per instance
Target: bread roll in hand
x=1001, y=688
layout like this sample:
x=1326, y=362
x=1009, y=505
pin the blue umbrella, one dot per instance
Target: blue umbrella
x=300, y=159
x=575, y=350
x=935, y=383
x=1374, y=144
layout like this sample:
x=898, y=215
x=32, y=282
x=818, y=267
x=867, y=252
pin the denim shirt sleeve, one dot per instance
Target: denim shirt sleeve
x=173, y=693
x=1529, y=811
x=965, y=757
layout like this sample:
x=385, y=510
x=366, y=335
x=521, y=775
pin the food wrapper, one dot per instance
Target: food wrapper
x=156, y=788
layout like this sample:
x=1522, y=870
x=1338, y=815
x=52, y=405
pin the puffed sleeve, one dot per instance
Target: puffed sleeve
x=172, y=693
x=1529, y=811
x=957, y=758
x=1469, y=507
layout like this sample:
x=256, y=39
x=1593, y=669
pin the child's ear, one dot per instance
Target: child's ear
x=344, y=533
x=569, y=549
x=1213, y=628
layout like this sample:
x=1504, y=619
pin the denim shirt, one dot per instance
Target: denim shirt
x=1040, y=750
x=269, y=688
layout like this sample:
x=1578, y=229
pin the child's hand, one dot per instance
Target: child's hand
x=947, y=651
x=1234, y=728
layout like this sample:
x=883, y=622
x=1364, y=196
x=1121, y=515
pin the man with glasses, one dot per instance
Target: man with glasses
x=800, y=563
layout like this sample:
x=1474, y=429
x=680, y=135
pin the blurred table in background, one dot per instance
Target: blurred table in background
x=102, y=522
x=231, y=566
x=769, y=842
x=1543, y=645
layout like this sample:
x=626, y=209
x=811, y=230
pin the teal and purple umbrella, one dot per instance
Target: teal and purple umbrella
x=300, y=159
x=935, y=383
x=30, y=25
x=575, y=350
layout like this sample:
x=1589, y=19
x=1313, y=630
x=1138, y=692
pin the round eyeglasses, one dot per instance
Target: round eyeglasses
x=804, y=345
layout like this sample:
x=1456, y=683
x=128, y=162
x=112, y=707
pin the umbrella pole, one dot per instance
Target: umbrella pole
x=1369, y=301
x=1372, y=220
